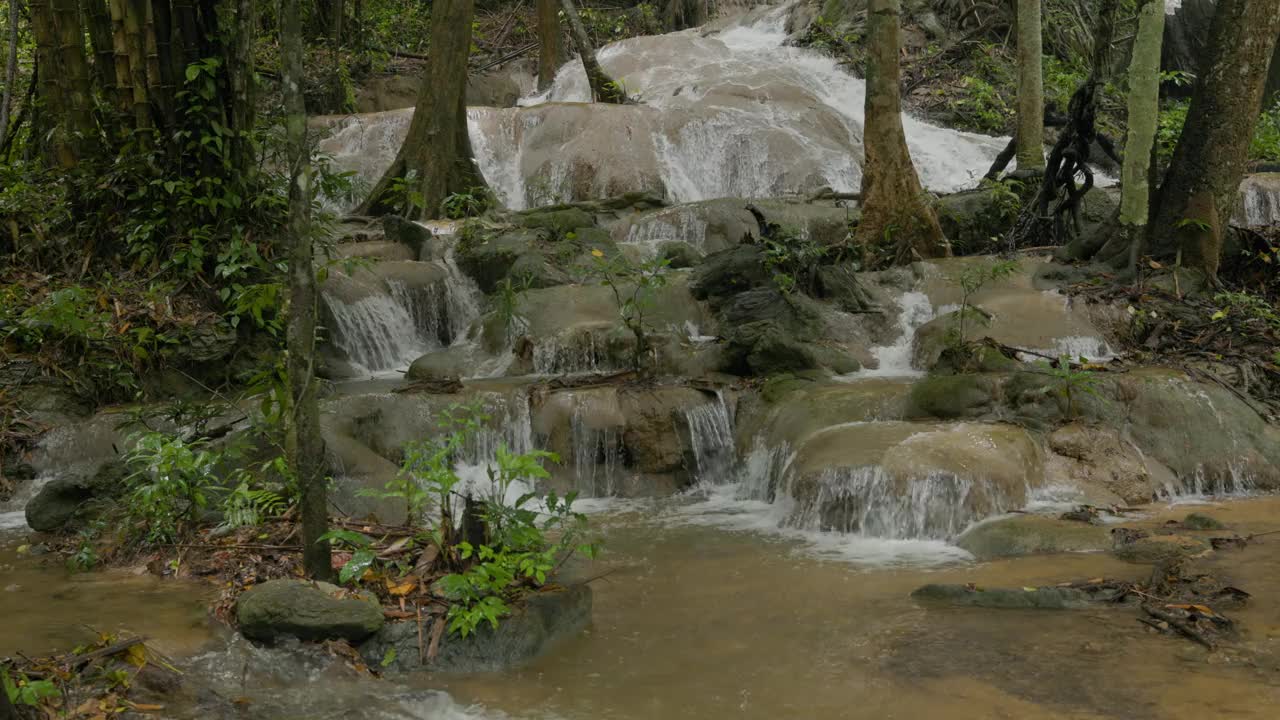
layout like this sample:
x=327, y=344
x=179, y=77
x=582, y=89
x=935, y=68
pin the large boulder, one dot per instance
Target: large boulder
x=68, y=497
x=1101, y=457
x=1031, y=535
x=543, y=620
x=307, y=611
x=728, y=272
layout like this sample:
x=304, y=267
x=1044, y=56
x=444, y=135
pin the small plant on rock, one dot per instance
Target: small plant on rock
x=971, y=281
x=634, y=286
x=1071, y=383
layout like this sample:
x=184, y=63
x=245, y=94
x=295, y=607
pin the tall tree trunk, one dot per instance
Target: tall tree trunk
x=188, y=36
x=603, y=87
x=895, y=210
x=1054, y=213
x=155, y=81
x=76, y=86
x=1030, y=87
x=550, y=47
x=240, y=74
x=10, y=70
x=60, y=149
x=170, y=69
x=98, y=23
x=132, y=21
x=120, y=48
x=1144, y=111
x=305, y=444
x=1200, y=188
x=437, y=149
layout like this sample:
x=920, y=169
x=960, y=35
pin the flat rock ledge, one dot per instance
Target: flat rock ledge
x=545, y=619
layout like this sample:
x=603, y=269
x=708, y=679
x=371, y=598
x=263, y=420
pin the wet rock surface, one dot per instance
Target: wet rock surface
x=307, y=611
x=544, y=620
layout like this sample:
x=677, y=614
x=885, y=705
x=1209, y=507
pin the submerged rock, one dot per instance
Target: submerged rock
x=307, y=611
x=1031, y=535
x=1044, y=598
x=1154, y=549
x=1200, y=521
x=545, y=619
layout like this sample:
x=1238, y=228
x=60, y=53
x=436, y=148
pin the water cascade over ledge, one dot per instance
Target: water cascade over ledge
x=734, y=113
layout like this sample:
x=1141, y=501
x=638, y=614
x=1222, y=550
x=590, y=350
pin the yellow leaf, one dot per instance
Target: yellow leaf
x=402, y=589
x=136, y=655
x=1028, y=589
x=145, y=707
x=597, y=253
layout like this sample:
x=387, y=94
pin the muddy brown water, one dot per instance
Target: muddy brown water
x=697, y=622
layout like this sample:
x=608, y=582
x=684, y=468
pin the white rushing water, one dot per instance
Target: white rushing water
x=894, y=360
x=13, y=514
x=733, y=113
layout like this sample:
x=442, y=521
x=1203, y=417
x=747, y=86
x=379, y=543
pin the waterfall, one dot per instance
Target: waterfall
x=597, y=455
x=379, y=332
x=574, y=352
x=868, y=501
x=733, y=113
x=13, y=512
x=1259, y=204
x=711, y=441
x=895, y=359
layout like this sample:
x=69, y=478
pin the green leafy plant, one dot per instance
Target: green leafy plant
x=506, y=301
x=170, y=483
x=475, y=201
x=1070, y=383
x=792, y=259
x=634, y=286
x=23, y=691
x=363, y=556
x=971, y=280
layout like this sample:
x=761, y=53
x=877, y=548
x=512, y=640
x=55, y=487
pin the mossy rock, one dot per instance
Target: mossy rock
x=951, y=397
x=560, y=222
x=1156, y=549
x=1200, y=521
x=728, y=272
x=307, y=611
x=1044, y=598
x=679, y=254
x=1031, y=535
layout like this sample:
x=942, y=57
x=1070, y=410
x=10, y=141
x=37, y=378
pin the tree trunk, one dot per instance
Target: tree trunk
x=98, y=22
x=1200, y=188
x=1054, y=213
x=550, y=47
x=684, y=14
x=437, y=149
x=603, y=87
x=188, y=34
x=132, y=21
x=120, y=48
x=1144, y=111
x=10, y=70
x=61, y=151
x=155, y=81
x=77, y=89
x=1030, y=133
x=171, y=71
x=241, y=72
x=895, y=210
x=305, y=444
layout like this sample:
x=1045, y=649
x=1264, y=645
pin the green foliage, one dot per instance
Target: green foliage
x=170, y=483
x=1070, y=383
x=22, y=691
x=475, y=201
x=524, y=540
x=1266, y=138
x=634, y=286
x=85, y=557
x=792, y=259
x=1245, y=311
x=982, y=106
x=1173, y=116
x=970, y=281
x=506, y=305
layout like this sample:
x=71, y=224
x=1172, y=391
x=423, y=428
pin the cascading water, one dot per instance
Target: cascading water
x=711, y=440
x=597, y=455
x=728, y=114
x=379, y=332
x=894, y=360
x=868, y=501
x=13, y=514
